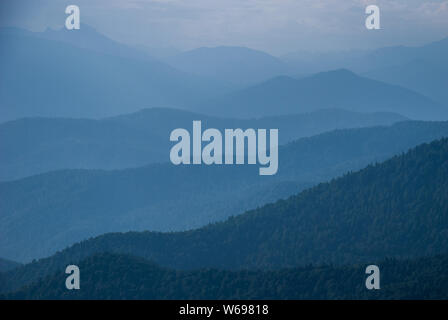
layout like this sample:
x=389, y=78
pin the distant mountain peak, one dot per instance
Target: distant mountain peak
x=280, y=79
x=339, y=88
x=228, y=49
x=231, y=64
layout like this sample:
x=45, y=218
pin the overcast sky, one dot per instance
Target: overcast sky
x=275, y=26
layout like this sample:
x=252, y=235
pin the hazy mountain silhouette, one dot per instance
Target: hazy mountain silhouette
x=238, y=65
x=428, y=78
x=362, y=61
x=334, y=89
x=392, y=209
x=47, y=212
x=88, y=38
x=42, y=77
x=35, y=145
x=422, y=69
x=160, y=53
x=435, y=52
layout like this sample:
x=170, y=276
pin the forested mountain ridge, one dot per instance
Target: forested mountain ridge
x=111, y=276
x=393, y=209
x=71, y=205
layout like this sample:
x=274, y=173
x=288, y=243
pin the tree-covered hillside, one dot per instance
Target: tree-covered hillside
x=109, y=276
x=394, y=209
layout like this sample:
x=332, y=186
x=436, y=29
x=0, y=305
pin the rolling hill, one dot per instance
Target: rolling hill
x=334, y=89
x=35, y=145
x=393, y=209
x=47, y=212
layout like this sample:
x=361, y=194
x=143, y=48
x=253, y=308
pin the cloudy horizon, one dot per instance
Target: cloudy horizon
x=275, y=26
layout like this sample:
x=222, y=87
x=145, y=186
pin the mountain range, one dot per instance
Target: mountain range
x=421, y=68
x=50, y=77
x=390, y=209
x=333, y=89
x=47, y=212
x=239, y=65
x=89, y=38
x=86, y=74
x=85, y=176
x=35, y=145
x=362, y=61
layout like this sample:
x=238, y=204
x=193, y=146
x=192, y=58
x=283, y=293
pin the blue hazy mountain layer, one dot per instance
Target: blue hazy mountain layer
x=238, y=65
x=425, y=77
x=362, y=61
x=422, y=69
x=42, y=77
x=47, y=212
x=333, y=89
x=85, y=74
x=36, y=145
x=88, y=38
